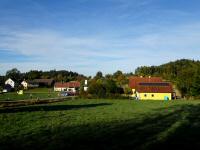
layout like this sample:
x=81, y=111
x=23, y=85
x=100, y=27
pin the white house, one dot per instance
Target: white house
x=24, y=84
x=10, y=82
x=67, y=86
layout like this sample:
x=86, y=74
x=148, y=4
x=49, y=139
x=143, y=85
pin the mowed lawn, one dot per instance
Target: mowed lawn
x=30, y=94
x=102, y=124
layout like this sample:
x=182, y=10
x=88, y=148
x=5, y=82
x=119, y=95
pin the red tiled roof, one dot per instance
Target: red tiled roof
x=67, y=84
x=154, y=89
x=134, y=81
x=150, y=85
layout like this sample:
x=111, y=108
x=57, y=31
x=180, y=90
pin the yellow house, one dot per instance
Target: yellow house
x=150, y=88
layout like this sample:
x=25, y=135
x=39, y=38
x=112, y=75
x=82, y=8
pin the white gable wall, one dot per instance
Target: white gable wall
x=65, y=89
x=25, y=84
x=10, y=82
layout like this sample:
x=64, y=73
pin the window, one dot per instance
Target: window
x=145, y=95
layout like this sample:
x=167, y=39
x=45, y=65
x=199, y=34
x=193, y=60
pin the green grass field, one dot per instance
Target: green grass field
x=102, y=124
x=34, y=93
x=40, y=90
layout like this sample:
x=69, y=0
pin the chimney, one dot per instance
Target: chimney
x=86, y=82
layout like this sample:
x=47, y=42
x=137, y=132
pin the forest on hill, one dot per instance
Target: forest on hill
x=184, y=73
x=58, y=76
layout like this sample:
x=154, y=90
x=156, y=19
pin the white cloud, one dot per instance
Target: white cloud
x=87, y=54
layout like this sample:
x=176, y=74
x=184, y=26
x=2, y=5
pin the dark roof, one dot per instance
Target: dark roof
x=43, y=81
x=32, y=82
x=67, y=84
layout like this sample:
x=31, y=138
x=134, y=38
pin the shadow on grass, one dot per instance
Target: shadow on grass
x=49, y=108
x=179, y=129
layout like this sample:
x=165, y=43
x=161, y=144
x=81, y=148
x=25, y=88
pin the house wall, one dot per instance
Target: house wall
x=10, y=82
x=133, y=93
x=25, y=84
x=71, y=89
x=65, y=89
x=154, y=96
x=59, y=89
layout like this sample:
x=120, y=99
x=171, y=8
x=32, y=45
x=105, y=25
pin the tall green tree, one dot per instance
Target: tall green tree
x=98, y=75
x=195, y=88
x=15, y=75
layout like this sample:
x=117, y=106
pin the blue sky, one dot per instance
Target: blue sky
x=91, y=35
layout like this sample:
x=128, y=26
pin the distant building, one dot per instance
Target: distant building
x=44, y=82
x=24, y=84
x=32, y=84
x=10, y=82
x=72, y=86
x=150, y=88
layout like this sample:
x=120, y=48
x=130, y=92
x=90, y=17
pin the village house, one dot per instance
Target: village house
x=10, y=82
x=150, y=88
x=24, y=84
x=71, y=86
x=9, y=85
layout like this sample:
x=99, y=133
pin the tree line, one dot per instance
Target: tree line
x=58, y=76
x=108, y=86
x=184, y=74
x=99, y=86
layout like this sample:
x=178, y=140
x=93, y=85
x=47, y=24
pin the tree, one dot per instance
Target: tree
x=99, y=75
x=127, y=90
x=33, y=74
x=117, y=74
x=120, y=78
x=97, y=89
x=1, y=89
x=195, y=88
x=15, y=75
x=2, y=80
x=111, y=86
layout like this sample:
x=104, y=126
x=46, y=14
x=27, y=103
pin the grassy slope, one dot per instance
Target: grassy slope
x=36, y=93
x=102, y=124
x=40, y=90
